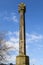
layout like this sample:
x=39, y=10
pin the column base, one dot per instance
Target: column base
x=22, y=60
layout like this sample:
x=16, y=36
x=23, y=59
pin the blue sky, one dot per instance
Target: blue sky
x=9, y=22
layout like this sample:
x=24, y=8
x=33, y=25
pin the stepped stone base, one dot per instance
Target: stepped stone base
x=22, y=60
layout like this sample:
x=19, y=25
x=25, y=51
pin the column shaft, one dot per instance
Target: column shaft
x=22, y=44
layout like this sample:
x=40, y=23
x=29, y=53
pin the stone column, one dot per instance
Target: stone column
x=22, y=59
x=22, y=44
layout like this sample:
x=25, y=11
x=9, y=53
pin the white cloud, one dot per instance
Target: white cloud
x=10, y=17
x=33, y=61
x=11, y=59
x=9, y=33
x=13, y=38
x=34, y=37
x=36, y=40
x=13, y=46
x=14, y=18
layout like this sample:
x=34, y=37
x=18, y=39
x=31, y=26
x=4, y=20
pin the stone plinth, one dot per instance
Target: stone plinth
x=22, y=60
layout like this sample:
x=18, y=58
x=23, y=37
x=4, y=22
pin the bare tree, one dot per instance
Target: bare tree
x=3, y=48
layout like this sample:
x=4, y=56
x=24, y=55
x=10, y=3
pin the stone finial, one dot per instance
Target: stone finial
x=22, y=7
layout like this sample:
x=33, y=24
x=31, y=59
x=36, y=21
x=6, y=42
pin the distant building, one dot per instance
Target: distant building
x=11, y=64
x=7, y=64
x=2, y=64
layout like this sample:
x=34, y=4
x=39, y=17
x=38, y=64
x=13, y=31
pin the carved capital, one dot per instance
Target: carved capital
x=22, y=7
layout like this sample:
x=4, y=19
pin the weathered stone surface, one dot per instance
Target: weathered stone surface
x=22, y=44
x=22, y=60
